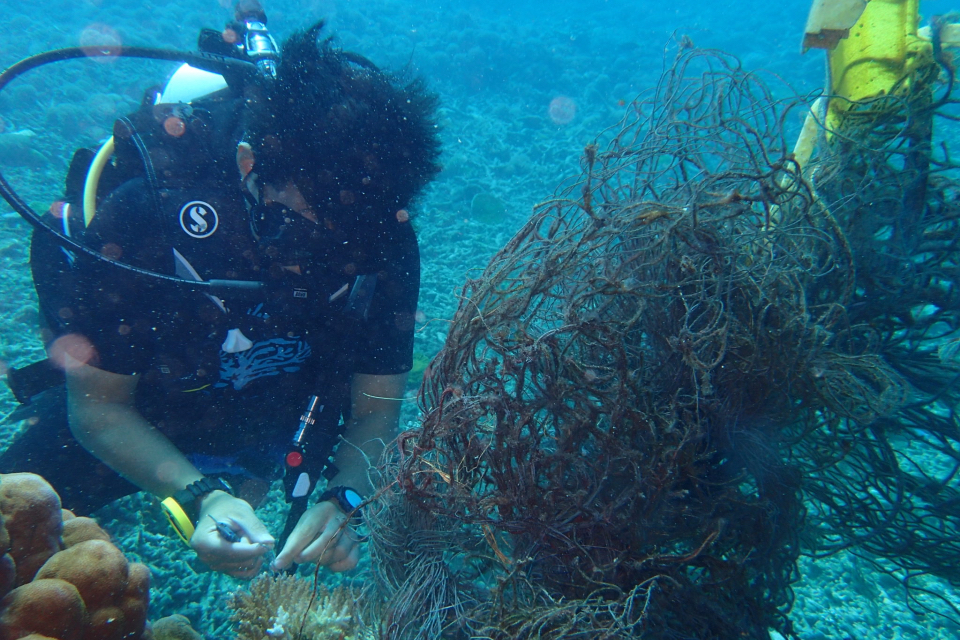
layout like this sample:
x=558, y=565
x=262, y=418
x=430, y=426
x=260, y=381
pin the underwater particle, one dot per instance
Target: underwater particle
x=174, y=126
x=229, y=36
x=562, y=110
x=403, y=216
x=100, y=42
x=487, y=208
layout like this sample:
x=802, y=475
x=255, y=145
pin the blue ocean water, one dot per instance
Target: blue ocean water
x=523, y=86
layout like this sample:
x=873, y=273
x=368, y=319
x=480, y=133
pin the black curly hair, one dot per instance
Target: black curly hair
x=355, y=140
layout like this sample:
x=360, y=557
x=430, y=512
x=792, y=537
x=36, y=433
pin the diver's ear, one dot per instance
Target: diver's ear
x=244, y=159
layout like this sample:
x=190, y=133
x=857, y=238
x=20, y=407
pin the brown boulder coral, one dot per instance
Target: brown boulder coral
x=8, y=568
x=32, y=517
x=114, y=591
x=48, y=607
x=76, y=530
x=175, y=627
x=88, y=590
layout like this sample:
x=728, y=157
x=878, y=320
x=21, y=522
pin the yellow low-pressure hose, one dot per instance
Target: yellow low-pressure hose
x=93, y=180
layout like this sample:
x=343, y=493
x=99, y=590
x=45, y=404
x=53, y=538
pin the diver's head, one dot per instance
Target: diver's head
x=355, y=142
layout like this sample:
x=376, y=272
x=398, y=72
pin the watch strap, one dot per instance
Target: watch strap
x=189, y=497
x=348, y=499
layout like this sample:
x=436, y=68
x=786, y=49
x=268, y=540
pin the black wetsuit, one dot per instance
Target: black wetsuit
x=224, y=378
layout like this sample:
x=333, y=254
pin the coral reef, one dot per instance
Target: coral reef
x=175, y=627
x=487, y=208
x=16, y=149
x=30, y=609
x=288, y=607
x=32, y=516
x=77, y=530
x=114, y=591
x=75, y=586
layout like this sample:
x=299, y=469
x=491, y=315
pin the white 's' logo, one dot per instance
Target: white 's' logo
x=198, y=219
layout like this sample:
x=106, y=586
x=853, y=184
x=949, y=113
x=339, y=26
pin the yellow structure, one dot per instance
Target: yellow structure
x=873, y=45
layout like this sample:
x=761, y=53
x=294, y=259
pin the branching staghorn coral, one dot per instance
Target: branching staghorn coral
x=287, y=607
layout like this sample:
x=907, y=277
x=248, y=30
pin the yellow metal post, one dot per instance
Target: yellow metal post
x=870, y=56
x=881, y=49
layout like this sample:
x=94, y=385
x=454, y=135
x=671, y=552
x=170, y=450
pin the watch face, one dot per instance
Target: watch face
x=352, y=497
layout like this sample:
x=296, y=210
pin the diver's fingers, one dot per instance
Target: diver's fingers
x=216, y=552
x=332, y=546
x=347, y=563
x=300, y=537
x=239, y=569
x=255, y=531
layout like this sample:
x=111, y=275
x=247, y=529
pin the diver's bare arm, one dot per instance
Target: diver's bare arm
x=374, y=418
x=105, y=421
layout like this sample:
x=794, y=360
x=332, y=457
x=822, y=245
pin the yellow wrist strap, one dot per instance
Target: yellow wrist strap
x=179, y=519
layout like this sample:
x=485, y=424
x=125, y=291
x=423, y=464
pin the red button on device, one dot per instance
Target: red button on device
x=294, y=458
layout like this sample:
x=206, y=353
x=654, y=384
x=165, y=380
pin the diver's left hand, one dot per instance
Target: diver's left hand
x=241, y=554
x=322, y=537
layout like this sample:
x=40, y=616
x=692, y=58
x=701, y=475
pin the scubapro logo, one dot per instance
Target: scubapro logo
x=198, y=219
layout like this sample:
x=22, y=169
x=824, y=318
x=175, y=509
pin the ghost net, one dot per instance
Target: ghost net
x=637, y=391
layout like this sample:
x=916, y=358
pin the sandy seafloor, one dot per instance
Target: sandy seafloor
x=496, y=66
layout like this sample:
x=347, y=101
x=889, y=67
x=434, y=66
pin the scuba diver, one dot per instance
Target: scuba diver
x=292, y=186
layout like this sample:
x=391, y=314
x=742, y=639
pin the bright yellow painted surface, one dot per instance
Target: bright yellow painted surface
x=881, y=50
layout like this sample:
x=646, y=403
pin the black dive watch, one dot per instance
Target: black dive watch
x=189, y=497
x=346, y=498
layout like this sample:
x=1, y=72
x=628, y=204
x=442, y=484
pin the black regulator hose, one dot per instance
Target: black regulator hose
x=234, y=71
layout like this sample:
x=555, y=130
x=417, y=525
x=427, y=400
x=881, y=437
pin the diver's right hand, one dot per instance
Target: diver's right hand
x=240, y=559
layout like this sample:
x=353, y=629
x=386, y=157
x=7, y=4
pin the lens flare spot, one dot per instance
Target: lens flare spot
x=174, y=126
x=71, y=351
x=111, y=251
x=562, y=110
x=100, y=42
x=58, y=209
x=230, y=36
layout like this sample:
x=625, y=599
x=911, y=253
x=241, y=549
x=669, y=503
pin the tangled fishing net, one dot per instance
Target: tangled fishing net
x=678, y=367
